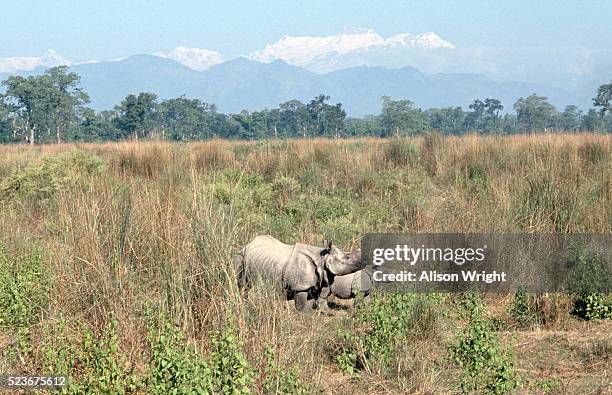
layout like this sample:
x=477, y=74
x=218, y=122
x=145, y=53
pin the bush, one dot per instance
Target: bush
x=380, y=327
x=174, y=367
x=593, y=306
x=529, y=310
x=41, y=181
x=231, y=371
x=589, y=274
x=279, y=380
x=24, y=287
x=95, y=365
x=487, y=368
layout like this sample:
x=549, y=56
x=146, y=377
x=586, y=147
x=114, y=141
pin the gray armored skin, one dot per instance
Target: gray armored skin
x=300, y=268
x=347, y=286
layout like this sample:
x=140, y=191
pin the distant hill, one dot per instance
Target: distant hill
x=246, y=84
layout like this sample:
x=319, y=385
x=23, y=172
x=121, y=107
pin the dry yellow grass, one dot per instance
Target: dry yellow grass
x=160, y=225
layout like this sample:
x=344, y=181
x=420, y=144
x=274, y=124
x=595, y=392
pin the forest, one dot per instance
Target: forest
x=52, y=107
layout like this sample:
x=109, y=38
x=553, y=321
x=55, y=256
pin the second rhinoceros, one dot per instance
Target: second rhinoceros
x=347, y=286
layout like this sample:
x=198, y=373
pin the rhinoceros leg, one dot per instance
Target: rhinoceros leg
x=303, y=302
x=322, y=301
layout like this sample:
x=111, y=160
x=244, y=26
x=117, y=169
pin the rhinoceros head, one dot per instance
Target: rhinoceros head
x=339, y=262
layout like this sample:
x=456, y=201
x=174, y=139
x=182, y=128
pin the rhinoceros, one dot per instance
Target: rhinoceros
x=347, y=286
x=299, y=269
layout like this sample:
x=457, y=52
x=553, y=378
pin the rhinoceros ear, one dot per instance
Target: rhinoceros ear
x=327, y=243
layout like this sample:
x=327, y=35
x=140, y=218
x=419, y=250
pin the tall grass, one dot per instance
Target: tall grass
x=156, y=228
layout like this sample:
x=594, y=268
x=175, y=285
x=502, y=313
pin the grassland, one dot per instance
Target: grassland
x=116, y=263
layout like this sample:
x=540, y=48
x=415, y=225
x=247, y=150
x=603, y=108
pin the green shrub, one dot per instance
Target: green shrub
x=231, y=371
x=522, y=310
x=331, y=207
x=24, y=284
x=175, y=368
x=284, y=188
x=593, y=306
x=377, y=328
x=341, y=230
x=487, y=368
x=589, y=274
x=279, y=380
x=477, y=176
x=41, y=181
x=24, y=288
x=95, y=365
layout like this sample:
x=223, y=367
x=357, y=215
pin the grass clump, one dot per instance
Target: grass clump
x=43, y=180
x=400, y=151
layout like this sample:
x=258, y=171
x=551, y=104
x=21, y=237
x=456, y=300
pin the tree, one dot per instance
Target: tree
x=603, y=100
x=136, y=114
x=534, y=112
x=570, y=118
x=447, y=120
x=27, y=102
x=475, y=119
x=400, y=116
x=185, y=119
x=66, y=98
x=493, y=108
x=293, y=118
x=591, y=121
x=316, y=111
x=485, y=115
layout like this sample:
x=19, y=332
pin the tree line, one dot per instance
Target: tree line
x=52, y=107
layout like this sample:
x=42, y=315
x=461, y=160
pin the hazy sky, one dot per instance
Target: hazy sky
x=107, y=29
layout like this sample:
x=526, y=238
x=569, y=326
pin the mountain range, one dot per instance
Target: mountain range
x=243, y=83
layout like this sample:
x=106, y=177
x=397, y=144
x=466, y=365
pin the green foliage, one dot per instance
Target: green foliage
x=95, y=365
x=279, y=380
x=175, y=368
x=593, y=306
x=41, y=181
x=477, y=175
x=331, y=207
x=379, y=326
x=487, y=367
x=523, y=309
x=589, y=274
x=24, y=285
x=24, y=289
x=589, y=270
x=231, y=371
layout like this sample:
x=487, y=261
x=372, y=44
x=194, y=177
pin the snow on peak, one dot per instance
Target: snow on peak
x=196, y=58
x=26, y=63
x=304, y=50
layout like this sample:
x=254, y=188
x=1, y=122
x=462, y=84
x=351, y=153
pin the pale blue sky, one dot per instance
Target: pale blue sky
x=107, y=29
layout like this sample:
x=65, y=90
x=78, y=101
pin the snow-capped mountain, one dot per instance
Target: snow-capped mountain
x=196, y=58
x=320, y=54
x=27, y=63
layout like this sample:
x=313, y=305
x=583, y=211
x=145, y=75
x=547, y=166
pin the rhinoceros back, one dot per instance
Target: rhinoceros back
x=267, y=257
